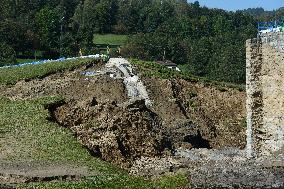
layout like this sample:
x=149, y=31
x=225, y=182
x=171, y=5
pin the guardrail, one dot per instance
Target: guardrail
x=96, y=56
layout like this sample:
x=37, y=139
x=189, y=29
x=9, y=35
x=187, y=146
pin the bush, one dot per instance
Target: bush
x=7, y=55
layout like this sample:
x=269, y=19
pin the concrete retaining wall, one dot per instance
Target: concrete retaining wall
x=274, y=39
x=265, y=96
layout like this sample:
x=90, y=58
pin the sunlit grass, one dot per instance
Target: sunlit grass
x=152, y=69
x=110, y=39
x=12, y=75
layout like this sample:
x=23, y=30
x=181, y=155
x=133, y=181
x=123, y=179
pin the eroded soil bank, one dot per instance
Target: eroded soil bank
x=190, y=115
x=150, y=140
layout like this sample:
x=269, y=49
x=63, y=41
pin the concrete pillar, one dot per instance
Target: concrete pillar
x=265, y=95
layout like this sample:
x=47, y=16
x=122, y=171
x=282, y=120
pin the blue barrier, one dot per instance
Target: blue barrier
x=271, y=26
x=97, y=56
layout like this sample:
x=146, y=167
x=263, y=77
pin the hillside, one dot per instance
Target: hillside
x=204, y=42
x=183, y=114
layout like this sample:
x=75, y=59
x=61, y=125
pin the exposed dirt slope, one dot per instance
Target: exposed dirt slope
x=183, y=114
x=118, y=133
x=186, y=108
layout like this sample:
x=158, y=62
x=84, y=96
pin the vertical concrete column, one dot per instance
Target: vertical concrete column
x=265, y=95
x=254, y=93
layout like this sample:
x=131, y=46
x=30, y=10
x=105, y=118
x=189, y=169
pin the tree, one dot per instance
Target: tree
x=7, y=54
x=83, y=25
x=48, y=28
x=13, y=34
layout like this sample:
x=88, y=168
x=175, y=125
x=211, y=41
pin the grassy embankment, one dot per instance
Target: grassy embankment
x=151, y=69
x=27, y=136
x=12, y=75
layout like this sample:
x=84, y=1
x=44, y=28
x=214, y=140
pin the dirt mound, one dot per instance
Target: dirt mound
x=118, y=133
x=199, y=116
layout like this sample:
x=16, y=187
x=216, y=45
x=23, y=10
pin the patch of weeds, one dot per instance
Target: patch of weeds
x=191, y=100
x=221, y=88
x=193, y=104
x=192, y=94
x=244, y=122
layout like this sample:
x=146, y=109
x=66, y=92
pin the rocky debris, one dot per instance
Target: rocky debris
x=118, y=133
x=155, y=166
x=227, y=168
x=134, y=86
x=183, y=117
x=235, y=174
x=187, y=135
x=184, y=108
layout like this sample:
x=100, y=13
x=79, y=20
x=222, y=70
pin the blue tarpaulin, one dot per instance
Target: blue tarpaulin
x=57, y=60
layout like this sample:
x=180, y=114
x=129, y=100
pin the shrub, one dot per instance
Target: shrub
x=7, y=54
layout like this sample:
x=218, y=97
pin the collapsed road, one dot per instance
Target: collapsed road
x=134, y=86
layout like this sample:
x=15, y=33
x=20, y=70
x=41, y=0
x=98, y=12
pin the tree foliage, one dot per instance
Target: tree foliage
x=7, y=54
x=207, y=42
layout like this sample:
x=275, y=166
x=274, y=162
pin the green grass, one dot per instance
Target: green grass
x=110, y=39
x=26, y=131
x=169, y=182
x=152, y=69
x=31, y=137
x=10, y=76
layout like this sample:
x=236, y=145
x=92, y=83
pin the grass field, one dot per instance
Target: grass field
x=121, y=182
x=152, y=69
x=110, y=39
x=12, y=75
x=28, y=136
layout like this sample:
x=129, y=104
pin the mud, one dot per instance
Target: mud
x=227, y=168
x=71, y=85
